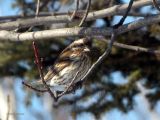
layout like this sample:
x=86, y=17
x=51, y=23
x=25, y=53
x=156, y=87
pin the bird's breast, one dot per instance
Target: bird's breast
x=66, y=75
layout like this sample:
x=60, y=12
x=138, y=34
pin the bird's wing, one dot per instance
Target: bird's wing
x=63, y=61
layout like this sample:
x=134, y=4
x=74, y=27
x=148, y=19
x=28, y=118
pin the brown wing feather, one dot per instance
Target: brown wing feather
x=62, y=61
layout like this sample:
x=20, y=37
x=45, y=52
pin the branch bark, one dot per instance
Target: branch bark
x=135, y=48
x=78, y=13
x=67, y=19
x=76, y=31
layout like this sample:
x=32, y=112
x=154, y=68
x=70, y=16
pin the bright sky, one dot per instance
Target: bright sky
x=6, y=8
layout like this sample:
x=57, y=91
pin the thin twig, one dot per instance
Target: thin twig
x=37, y=9
x=78, y=13
x=36, y=14
x=44, y=4
x=78, y=31
x=33, y=88
x=86, y=13
x=101, y=58
x=156, y=5
x=125, y=15
x=39, y=66
x=75, y=11
x=134, y=48
x=8, y=103
x=69, y=86
x=66, y=19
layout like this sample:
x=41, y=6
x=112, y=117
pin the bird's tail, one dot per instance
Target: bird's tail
x=38, y=84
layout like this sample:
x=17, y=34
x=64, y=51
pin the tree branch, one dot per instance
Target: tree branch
x=86, y=14
x=9, y=107
x=101, y=58
x=37, y=9
x=155, y=3
x=39, y=66
x=75, y=11
x=66, y=19
x=76, y=31
x=134, y=48
x=78, y=13
x=125, y=15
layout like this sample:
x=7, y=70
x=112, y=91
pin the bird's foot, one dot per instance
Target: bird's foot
x=76, y=86
x=79, y=84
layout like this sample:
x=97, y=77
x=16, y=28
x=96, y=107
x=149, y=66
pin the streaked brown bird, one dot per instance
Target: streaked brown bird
x=74, y=61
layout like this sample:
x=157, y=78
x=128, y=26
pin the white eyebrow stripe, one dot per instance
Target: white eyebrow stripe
x=79, y=41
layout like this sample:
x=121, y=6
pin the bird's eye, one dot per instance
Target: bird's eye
x=78, y=45
x=88, y=43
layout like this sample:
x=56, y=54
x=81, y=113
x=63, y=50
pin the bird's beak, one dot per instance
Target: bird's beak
x=86, y=49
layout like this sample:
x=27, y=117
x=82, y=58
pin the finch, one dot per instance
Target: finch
x=73, y=62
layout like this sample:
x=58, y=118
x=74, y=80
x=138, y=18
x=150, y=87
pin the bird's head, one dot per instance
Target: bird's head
x=83, y=45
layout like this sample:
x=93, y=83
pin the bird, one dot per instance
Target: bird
x=73, y=63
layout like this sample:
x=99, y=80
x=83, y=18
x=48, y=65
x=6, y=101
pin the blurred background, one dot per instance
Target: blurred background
x=125, y=87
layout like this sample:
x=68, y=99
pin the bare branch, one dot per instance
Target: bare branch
x=79, y=13
x=66, y=19
x=101, y=58
x=135, y=48
x=76, y=31
x=155, y=3
x=36, y=15
x=44, y=4
x=86, y=13
x=125, y=15
x=39, y=66
x=9, y=107
x=75, y=11
x=37, y=9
